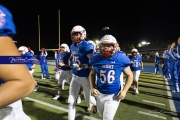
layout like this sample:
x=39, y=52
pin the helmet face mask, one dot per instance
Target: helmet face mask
x=108, y=45
x=78, y=33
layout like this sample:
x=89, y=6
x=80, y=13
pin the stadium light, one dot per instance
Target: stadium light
x=97, y=42
x=143, y=43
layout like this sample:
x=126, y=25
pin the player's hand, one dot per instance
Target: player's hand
x=76, y=66
x=61, y=64
x=122, y=94
x=94, y=92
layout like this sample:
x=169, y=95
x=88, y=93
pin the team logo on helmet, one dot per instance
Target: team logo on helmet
x=2, y=19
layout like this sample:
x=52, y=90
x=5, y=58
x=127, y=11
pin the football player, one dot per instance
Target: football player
x=64, y=71
x=43, y=63
x=81, y=51
x=24, y=52
x=108, y=65
x=18, y=84
x=136, y=67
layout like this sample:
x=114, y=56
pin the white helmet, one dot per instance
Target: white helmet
x=108, y=40
x=134, y=50
x=23, y=49
x=66, y=47
x=79, y=29
x=94, y=44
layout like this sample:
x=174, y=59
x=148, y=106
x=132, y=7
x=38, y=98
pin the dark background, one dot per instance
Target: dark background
x=156, y=21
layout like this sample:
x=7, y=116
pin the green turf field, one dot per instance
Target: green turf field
x=151, y=104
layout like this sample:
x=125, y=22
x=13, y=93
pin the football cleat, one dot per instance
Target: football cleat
x=56, y=97
x=90, y=107
x=36, y=88
x=136, y=91
x=78, y=100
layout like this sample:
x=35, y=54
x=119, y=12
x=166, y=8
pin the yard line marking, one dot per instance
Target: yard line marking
x=59, y=108
x=150, y=84
x=153, y=115
x=153, y=102
x=172, y=106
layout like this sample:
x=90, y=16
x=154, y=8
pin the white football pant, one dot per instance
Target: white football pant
x=64, y=74
x=13, y=111
x=136, y=75
x=107, y=105
x=75, y=85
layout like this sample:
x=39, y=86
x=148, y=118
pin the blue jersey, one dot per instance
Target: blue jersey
x=7, y=27
x=42, y=57
x=109, y=71
x=63, y=57
x=79, y=53
x=157, y=59
x=178, y=50
x=28, y=54
x=135, y=62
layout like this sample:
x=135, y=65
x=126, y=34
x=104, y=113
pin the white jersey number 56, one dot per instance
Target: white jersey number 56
x=107, y=76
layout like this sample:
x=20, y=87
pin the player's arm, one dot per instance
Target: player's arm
x=92, y=80
x=129, y=79
x=70, y=61
x=33, y=66
x=18, y=82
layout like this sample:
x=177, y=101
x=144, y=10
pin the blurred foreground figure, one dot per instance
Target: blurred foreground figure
x=15, y=85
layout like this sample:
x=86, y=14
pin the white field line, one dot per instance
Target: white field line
x=153, y=102
x=59, y=108
x=172, y=106
x=153, y=115
x=150, y=84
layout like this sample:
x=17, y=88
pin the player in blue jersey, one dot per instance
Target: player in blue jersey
x=44, y=65
x=81, y=51
x=16, y=82
x=108, y=66
x=30, y=50
x=136, y=67
x=178, y=54
x=166, y=57
x=174, y=67
x=24, y=52
x=64, y=71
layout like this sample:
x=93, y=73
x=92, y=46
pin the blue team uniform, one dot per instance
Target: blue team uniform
x=109, y=71
x=178, y=53
x=44, y=65
x=7, y=27
x=135, y=62
x=79, y=53
x=157, y=62
x=63, y=57
x=166, y=64
x=28, y=54
x=174, y=68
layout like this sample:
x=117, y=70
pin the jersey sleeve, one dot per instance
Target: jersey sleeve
x=89, y=48
x=7, y=27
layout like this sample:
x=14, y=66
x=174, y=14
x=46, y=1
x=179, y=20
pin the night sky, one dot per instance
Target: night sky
x=129, y=21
